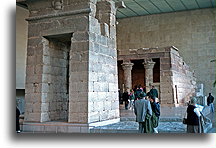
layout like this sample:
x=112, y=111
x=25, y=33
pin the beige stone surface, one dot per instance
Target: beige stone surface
x=192, y=32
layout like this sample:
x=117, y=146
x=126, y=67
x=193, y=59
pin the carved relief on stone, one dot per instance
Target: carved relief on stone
x=57, y=4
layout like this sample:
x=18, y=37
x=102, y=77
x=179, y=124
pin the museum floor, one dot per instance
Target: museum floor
x=170, y=122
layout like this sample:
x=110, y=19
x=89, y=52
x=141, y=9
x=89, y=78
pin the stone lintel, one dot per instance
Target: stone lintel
x=75, y=12
x=135, y=56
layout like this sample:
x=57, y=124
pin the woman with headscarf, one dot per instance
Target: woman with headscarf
x=193, y=117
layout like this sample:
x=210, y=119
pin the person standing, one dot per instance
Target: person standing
x=210, y=101
x=143, y=112
x=131, y=99
x=153, y=92
x=193, y=117
x=17, y=120
x=155, y=105
x=120, y=96
x=125, y=97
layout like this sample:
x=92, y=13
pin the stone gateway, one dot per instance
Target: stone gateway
x=71, y=74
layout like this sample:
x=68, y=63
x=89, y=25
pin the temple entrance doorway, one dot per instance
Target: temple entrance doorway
x=56, y=55
x=138, y=73
x=156, y=70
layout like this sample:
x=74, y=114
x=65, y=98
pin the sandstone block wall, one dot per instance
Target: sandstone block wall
x=71, y=62
x=184, y=81
x=192, y=32
x=103, y=82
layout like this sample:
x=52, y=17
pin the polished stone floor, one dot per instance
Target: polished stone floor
x=170, y=122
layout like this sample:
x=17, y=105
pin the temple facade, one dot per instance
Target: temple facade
x=163, y=68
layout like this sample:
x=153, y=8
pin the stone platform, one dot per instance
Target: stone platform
x=63, y=127
x=170, y=122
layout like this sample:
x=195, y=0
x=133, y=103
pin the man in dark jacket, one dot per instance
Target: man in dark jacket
x=155, y=113
x=153, y=92
x=125, y=98
x=210, y=101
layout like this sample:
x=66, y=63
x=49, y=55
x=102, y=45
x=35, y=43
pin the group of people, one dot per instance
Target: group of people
x=146, y=108
x=128, y=97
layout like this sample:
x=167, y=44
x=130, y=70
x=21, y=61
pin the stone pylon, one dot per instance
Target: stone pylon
x=71, y=71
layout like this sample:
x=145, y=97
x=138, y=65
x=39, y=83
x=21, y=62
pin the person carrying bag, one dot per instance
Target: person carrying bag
x=193, y=118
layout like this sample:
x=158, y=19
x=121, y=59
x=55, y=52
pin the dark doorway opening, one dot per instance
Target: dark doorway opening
x=120, y=76
x=138, y=73
x=156, y=70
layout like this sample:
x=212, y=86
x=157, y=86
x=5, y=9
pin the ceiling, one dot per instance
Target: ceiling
x=148, y=7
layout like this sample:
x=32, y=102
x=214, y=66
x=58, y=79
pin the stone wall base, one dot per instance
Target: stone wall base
x=62, y=127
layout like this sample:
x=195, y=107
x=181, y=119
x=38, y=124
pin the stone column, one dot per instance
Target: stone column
x=148, y=65
x=127, y=67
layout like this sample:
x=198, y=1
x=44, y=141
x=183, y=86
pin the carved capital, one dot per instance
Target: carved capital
x=149, y=64
x=127, y=66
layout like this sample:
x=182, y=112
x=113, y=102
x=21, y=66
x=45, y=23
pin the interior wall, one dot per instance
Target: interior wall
x=21, y=46
x=192, y=32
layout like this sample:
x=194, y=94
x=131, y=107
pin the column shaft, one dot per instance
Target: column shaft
x=148, y=65
x=127, y=67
